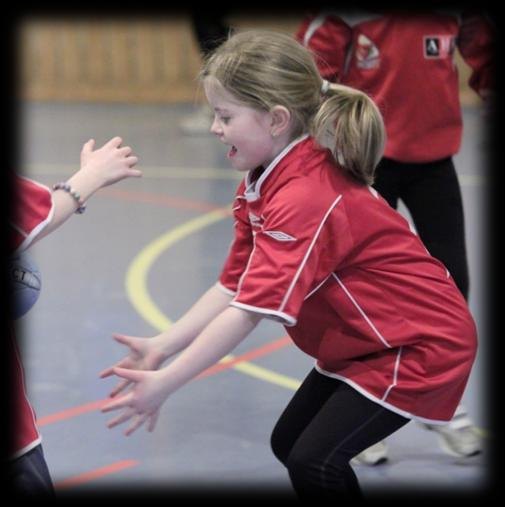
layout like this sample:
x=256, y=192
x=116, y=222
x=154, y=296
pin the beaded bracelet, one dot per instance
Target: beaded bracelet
x=67, y=188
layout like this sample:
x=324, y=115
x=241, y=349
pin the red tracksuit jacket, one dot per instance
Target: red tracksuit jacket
x=406, y=64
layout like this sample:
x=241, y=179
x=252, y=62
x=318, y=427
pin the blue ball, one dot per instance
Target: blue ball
x=26, y=284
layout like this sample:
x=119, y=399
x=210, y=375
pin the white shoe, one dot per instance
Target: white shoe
x=197, y=123
x=374, y=455
x=459, y=442
x=458, y=438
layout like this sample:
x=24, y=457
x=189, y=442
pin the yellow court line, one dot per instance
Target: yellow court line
x=138, y=293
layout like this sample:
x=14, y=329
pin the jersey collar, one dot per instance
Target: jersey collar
x=252, y=189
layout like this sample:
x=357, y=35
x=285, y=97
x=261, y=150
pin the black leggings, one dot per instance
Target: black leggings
x=432, y=194
x=323, y=427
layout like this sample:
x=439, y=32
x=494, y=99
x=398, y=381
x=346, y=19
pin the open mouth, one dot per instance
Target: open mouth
x=232, y=152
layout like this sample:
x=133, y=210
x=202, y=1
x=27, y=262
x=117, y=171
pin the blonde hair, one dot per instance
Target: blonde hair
x=264, y=69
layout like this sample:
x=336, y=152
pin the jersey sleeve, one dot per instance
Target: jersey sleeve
x=476, y=43
x=329, y=39
x=32, y=210
x=240, y=249
x=286, y=256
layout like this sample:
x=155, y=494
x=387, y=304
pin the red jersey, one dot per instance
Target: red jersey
x=406, y=64
x=352, y=283
x=33, y=211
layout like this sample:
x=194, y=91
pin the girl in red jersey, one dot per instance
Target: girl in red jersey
x=317, y=249
x=36, y=212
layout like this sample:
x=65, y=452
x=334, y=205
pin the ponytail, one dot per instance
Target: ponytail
x=350, y=124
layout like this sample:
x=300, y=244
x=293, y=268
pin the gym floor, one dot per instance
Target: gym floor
x=136, y=260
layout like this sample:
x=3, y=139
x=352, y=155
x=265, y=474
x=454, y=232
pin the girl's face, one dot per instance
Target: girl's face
x=247, y=131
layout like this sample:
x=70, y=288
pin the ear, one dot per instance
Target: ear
x=281, y=119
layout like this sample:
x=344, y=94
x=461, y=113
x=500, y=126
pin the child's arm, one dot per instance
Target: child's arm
x=150, y=353
x=99, y=168
x=151, y=388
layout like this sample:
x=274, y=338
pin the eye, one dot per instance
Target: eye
x=225, y=119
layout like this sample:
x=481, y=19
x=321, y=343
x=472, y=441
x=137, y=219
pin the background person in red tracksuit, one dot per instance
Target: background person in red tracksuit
x=405, y=62
x=38, y=211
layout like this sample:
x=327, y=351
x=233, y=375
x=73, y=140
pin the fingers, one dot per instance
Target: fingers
x=153, y=419
x=117, y=403
x=135, y=173
x=88, y=147
x=122, y=338
x=124, y=363
x=125, y=151
x=125, y=416
x=131, y=161
x=132, y=375
x=115, y=142
x=107, y=372
x=120, y=387
x=140, y=420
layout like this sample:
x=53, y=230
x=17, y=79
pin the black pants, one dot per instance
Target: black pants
x=28, y=475
x=323, y=427
x=432, y=194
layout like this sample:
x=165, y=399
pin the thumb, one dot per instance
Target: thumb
x=132, y=342
x=133, y=375
x=88, y=147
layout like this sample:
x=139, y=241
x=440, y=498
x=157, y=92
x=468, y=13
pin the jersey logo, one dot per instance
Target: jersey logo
x=439, y=46
x=280, y=236
x=367, y=54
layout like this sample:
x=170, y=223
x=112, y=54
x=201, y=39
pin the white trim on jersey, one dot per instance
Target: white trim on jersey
x=285, y=319
x=317, y=288
x=395, y=374
x=25, y=449
x=252, y=189
x=251, y=255
x=360, y=310
x=313, y=26
x=307, y=253
x=379, y=401
x=224, y=289
x=38, y=229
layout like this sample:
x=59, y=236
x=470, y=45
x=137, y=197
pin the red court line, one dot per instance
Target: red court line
x=95, y=474
x=248, y=356
x=161, y=200
x=97, y=405
x=71, y=412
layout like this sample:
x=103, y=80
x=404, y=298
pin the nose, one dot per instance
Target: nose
x=215, y=128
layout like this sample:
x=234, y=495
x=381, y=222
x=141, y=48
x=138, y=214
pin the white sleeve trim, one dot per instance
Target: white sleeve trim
x=34, y=233
x=224, y=289
x=40, y=227
x=284, y=318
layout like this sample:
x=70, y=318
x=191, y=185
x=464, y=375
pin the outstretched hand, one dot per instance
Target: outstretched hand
x=112, y=161
x=143, y=355
x=141, y=403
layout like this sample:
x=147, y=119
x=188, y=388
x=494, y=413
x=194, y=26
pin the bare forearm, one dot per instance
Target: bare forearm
x=192, y=323
x=219, y=338
x=83, y=181
x=107, y=165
